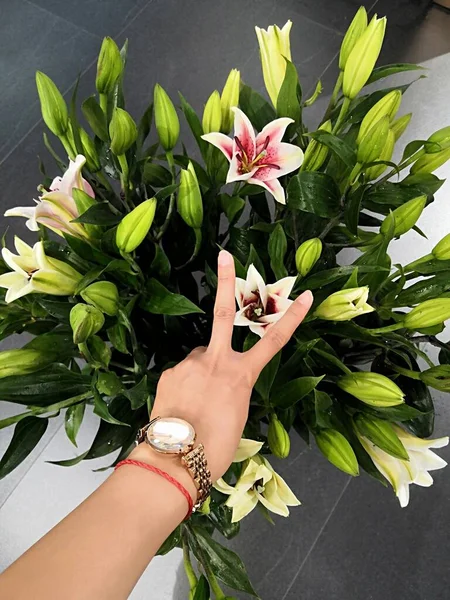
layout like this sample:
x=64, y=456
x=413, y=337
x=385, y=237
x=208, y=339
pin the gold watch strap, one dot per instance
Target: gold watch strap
x=196, y=463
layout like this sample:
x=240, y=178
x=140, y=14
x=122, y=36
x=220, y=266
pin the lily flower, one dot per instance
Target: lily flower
x=274, y=48
x=345, y=305
x=33, y=271
x=56, y=209
x=402, y=473
x=261, y=305
x=258, y=482
x=259, y=159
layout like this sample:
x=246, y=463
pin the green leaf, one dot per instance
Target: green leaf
x=202, y=589
x=363, y=104
x=232, y=206
x=254, y=259
x=85, y=251
x=225, y=564
x=290, y=95
x=173, y=541
x=56, y=308
x=117, y=335
x=315, y=193
x=277, y=248
x=426, y=289
x=102, y=411
x=138, y=394
x=160, y=263
x=156, y=175
x=293, y=391
x=267, y=377
x=27, y=435
x=257, y=109
x=387, y=70
x=342, y=150
x=73, y=419
x=69, y=462
x=322, y=404
x=99, y=214
x=402, y=412
x=352, y=281
x=221, y=516
x=96, y=118
x=159, y=301
x=165, y=192
x=57, y=345
x=195, y=125
x=417, y=396
x=328, y=276
x=353, y=208
x=292, y=366
x=89, y=278
x=109, y=384
x=144, y=126
x=430, y=267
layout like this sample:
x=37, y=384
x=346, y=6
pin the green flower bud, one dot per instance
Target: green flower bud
x=229, y=99
x=109, y=66
x=428, y=313
x=307, y=255
x=189, y=200
x=212, y=115
x=374, y=172
x=90, y=152
x=430, y=162
x=437, y=377
x=335, y=447
x=354, y=32
x=380, y=433
x=442, y=249
x=122, y=131
x=166, y=119
x=441, y=137
x=316, y=153
x=362, y=58
x=372, y=143
x=398, y=127
x=53, y=105
x=103, y=295
x=85, y=321
x=134, y=227
x=278, y=438
x=386, y=107
x=405, y=216
x=23, y=361
x=345, y=305
x=372, y=388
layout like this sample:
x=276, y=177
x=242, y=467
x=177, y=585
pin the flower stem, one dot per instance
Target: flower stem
x=333, y=98
x=165, y=225
x=407, y=372
x=67, y=146
x=190, y=573
x=342, y=115
x=403, y=165
x=386, y=329
x=104, y=104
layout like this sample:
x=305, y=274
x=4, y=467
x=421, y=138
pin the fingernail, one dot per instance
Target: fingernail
x=225, y=258
x=305, y=298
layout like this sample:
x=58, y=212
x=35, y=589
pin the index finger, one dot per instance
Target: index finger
x=279, y=334
x=225, y=304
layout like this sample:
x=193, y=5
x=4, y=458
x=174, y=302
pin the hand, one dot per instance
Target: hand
x=211, y=387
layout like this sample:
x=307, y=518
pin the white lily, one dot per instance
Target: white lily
x=402, y=473
x=261, y=305
x=56, y=209
x=33, y=271
x=274, y=48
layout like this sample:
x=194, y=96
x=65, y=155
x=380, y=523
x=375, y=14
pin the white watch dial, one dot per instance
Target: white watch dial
x=171, y=435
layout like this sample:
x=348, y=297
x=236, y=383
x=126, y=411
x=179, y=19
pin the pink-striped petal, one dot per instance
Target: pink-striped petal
x=271, y=319
x=243, y=130
x=282, y=287
x=273, y=186
x=235, y=172
x=239, y=291
x=63, y=200
x=274, y=130
x=221, y=141
x=277, y=305
x=285, y=157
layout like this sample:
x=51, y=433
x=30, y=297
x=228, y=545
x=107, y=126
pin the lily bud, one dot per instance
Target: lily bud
x=316, y=153
x=345, y=305
x=103, y=295
x=441, y=137
x=354, y=32
x=386, y=107
x=229, y=99
x=437, y=377
x=307, y=255
x=274, y=49
x=90, y=152
x=122, y=131
x=134, y=227
x=430, y=162
x=442, y=249
x=212, y=115
x=205, y=508
x=22, y=361
x=398, y=127
x=166, y=119
x=189, y=200
x=380, y=433
x=372, y=143
x=374, y=172
x=278, y=438
x=405, y=216
x=335, y=447
x=362, y=58
x=372, y=388
x=428, y=313
x=109, y=66
x=53, y=105
x=85, y=320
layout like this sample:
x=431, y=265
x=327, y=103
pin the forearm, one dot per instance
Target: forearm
x=101, y=549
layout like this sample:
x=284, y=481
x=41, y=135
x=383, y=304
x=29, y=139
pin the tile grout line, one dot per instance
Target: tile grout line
x=49, y=12
x=313, y=545
x=24, y=137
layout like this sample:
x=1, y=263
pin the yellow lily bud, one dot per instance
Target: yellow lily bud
x=398, y=127
x=122, y=130
x=166, y=119
x=442, y=249
x=405, y=216
x=229, y=99
x=53, y=105
x=307, y=255
x=109, y=66
x=278, y=438
x=428, y=313
x=336, y=448
x=372, y=388
x=386, y=154
x=189, y=200
x=380, y=433
x=345, y=305
x=316, y=153
x=372, y=143
x=274, y=48
x=354, y=32
x=441, y=137
x=134, y=227
x=104, y=295
x=22, y=361
x=362, y=58
x=386, y=107
x=212, y=115
x=85, y=320
x=430, y=162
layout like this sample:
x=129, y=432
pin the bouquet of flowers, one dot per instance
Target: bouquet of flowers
x=125, y=288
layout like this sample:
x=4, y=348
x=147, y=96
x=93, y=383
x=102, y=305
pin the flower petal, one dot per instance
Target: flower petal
x=285, y=492
x=247, y=449
x=234, y=172
x=221, y=141
x=61, y=201
x=13, y=261
x=243, y=130
x=244, y=507
x=240, y=320
x=239, y=291
x=423, y=479
x=274, y=130
x=403, y=494
x=258, y=328
x=273, y=186
x=24, y=211
x=254, y=286
x=282, y=287
x=222, y=486
x=71, y=178
x=286, y=157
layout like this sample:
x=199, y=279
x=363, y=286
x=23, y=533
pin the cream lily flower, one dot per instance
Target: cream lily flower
x=259, y=159
x=401, y=473
x=261, y=305
x=258, y=482
x=33, y=271
x=56, y=209
x=345, y=305
x=274, y=48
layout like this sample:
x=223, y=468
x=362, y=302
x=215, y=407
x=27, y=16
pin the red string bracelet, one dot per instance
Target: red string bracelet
x=163, y=474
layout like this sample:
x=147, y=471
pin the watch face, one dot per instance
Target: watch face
x=170, y=435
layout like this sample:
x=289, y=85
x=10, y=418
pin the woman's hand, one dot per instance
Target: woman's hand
x=211, y=388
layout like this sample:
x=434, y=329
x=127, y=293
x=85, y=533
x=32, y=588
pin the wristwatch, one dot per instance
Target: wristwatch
x=170, y=435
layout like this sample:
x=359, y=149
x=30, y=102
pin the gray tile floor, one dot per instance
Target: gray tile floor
x=349, y=540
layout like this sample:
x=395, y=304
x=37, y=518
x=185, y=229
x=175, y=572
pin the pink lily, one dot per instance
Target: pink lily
x=261, y=305
x=259, y=159
x=56, y=208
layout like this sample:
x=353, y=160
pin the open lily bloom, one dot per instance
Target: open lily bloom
x=56, y=208
x=259, y=159
x=33, y=271
x=402, y=473
x=261, y=305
